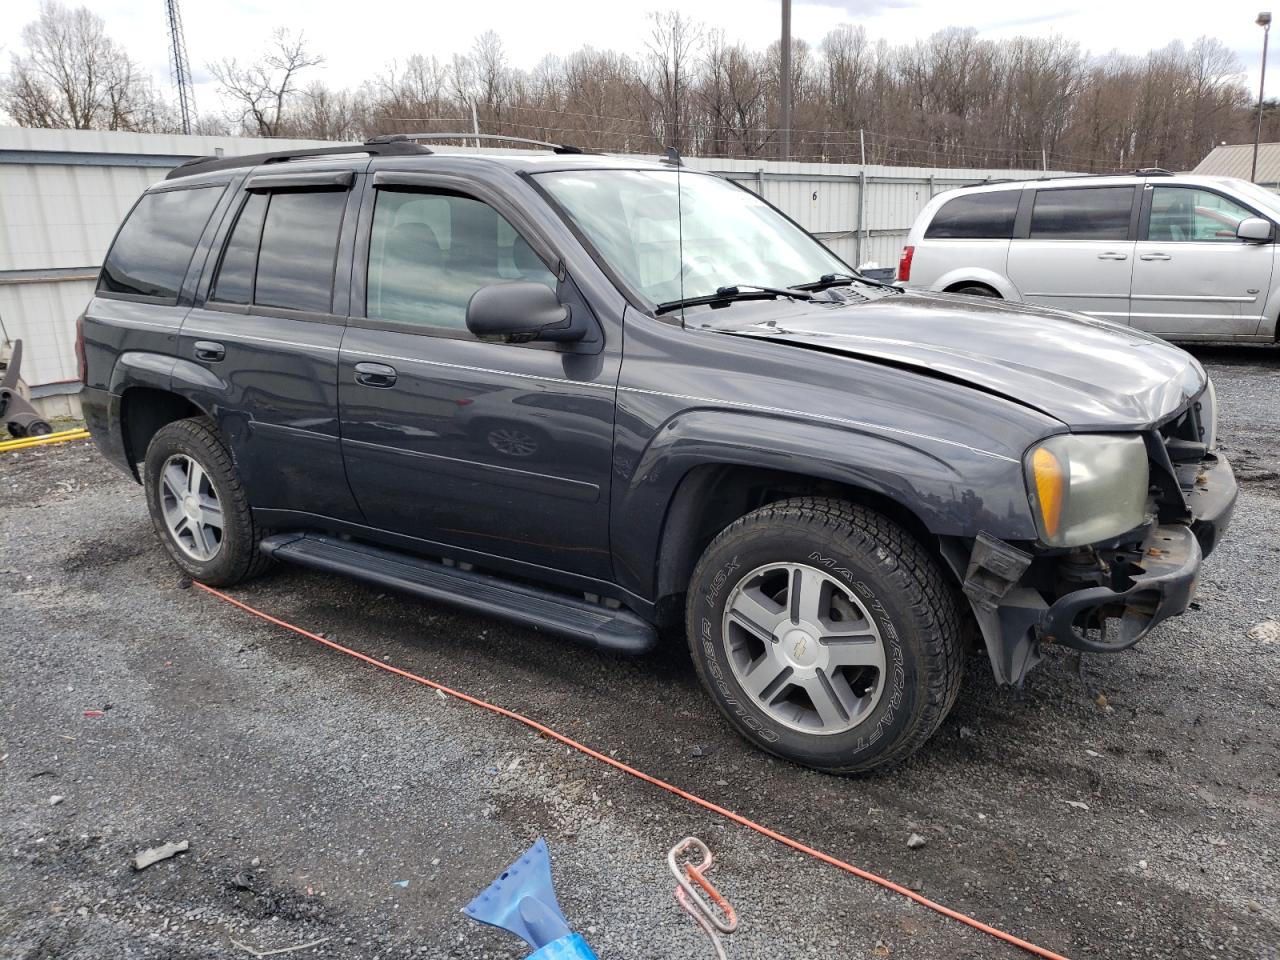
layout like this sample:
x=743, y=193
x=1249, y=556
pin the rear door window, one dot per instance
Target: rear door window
x=153, y=249
x=1082, y=213
x=976, y=216
x=282, y=250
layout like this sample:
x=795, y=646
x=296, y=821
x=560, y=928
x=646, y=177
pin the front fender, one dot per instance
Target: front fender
x=955, y=492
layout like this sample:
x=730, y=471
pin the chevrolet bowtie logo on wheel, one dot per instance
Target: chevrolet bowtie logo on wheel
x=798, y=652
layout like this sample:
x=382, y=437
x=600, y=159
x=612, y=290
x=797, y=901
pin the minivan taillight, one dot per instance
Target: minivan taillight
x=904, y=264
x=81, y=360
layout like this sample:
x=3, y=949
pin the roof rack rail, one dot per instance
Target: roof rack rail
x=1153, y=172
x=375, y=148
x=411, y=137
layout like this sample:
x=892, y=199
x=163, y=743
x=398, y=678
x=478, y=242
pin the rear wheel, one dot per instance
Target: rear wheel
x=825, y=634
x=976, y=290
x=198, y=504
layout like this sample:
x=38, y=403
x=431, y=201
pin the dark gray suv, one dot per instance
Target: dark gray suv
x=602, y=398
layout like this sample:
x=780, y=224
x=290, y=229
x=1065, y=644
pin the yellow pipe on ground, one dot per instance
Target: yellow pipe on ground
x=21, y=443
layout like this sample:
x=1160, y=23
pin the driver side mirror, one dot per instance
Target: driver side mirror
x=521, y=311
x=1255, y=230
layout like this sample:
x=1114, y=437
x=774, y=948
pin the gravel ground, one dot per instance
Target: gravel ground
x=324, y=799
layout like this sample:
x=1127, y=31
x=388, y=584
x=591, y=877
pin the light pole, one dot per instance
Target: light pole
x=1264, y=21
x=785, y=93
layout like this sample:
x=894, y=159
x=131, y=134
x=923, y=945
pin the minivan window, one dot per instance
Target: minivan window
x=976, y=216
x=234, y=283
x=299, y=245
x=1082, y=213
x=429, y=252
x=1184, y=215
x=154, y=247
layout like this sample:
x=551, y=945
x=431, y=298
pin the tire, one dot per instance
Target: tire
x=878, y=583
x=16, y=430
x=231, y=554
x=977, y=290
x=38, y=428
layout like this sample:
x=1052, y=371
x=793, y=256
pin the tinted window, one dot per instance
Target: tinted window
x=1088, y=213
x=299, y=244
x=976, y=216
x=154, y=247
x=240, y=257
x=1182, y=215
x=429, y=253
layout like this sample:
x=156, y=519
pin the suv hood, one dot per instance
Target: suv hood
x=1087, y=373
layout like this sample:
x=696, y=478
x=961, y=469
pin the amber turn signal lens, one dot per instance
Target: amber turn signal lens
x=1049, y=489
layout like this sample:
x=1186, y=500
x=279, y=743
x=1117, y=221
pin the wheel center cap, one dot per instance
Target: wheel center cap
x=800, y=647
x=191, y=507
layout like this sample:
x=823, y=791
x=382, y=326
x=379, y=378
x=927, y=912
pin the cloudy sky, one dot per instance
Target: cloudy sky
x=365, y=37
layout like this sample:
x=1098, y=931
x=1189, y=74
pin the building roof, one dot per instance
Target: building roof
x=1236, y=160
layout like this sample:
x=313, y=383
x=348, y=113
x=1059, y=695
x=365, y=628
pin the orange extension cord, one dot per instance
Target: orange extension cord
x=661, y=784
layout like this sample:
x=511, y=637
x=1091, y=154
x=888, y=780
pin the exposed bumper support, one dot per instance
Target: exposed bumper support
x=1143, y=585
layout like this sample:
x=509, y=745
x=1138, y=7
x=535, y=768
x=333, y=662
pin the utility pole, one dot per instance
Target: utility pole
x=179, y=65
x=786, y=79
x=1264, y=21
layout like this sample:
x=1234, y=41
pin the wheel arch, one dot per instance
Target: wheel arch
x=712, y=496
x=150, y=387
x=976, y=276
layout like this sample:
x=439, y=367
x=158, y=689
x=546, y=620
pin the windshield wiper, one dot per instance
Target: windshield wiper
x=832, y=279
x=738, y=291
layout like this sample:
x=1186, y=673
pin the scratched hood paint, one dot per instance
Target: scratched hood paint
x=1087, y=373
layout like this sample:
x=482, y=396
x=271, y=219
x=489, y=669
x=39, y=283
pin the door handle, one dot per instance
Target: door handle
x=375, y=375
x=1113, y=256
x=1155, y=256
x=209, y=350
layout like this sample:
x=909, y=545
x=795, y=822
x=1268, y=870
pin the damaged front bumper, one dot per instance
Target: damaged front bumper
x=1100, y=600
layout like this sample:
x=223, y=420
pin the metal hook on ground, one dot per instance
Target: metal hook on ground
x=691, y=901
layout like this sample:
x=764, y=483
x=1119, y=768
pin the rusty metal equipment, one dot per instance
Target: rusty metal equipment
x=16, y=411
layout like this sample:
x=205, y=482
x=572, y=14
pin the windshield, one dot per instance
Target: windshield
x=729, y=235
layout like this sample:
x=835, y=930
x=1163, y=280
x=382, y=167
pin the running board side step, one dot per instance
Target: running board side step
x=617, y=630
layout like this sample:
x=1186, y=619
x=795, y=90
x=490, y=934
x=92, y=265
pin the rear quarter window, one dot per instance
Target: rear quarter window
x=976, y=216
x=153, y=249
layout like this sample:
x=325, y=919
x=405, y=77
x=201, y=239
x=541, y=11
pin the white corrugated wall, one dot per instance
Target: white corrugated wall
x=64, y=192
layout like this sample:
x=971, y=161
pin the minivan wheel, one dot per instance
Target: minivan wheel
x=977, y=290
x=198, y=504
x=826, y=634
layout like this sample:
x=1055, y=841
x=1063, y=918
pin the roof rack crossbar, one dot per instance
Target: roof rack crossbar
x=411, y=137
x=372, y=148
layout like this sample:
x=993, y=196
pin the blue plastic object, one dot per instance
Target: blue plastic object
x=523, y=901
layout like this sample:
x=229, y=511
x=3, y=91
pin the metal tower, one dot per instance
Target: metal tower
x=180, y=66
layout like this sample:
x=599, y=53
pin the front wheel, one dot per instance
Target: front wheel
x=826, y=634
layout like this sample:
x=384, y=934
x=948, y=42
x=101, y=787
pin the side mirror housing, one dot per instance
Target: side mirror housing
x=520, y=311
x=1255, y=230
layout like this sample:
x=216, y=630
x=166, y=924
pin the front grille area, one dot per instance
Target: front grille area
x=1176, y=450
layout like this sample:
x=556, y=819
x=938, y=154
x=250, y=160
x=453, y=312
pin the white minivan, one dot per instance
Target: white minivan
x=1184, y=257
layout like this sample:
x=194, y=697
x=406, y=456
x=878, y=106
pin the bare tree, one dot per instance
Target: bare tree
x=261, y=90
x=672, y=47
x=73, y=75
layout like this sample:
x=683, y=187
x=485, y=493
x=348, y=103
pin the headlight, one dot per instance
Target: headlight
x=1087, y=487
x=1209, y=415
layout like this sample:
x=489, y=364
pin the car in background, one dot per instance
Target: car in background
x=1183, y=257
